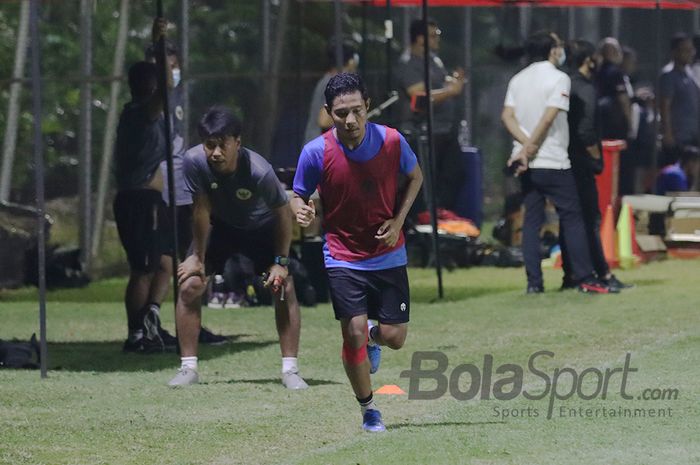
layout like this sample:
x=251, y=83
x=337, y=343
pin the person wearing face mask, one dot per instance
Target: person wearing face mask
x=318, y=121
x=535, y=114
x=586, y=158
x=183, y=199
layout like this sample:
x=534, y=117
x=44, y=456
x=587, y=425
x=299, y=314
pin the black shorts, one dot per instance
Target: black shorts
x=139, y=214
x=224, y=241
x=184, y=231
x=382, y=295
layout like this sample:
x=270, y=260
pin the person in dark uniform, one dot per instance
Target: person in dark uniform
x=138, y=207
x=183, y=199
x=586, y=159
x=445, y=88
x=236, y=193
x=356, y=168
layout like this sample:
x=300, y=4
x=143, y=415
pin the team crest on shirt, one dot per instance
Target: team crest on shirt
x=403, y=306
x=243, y=194
x=214, y=186
x=179, y=112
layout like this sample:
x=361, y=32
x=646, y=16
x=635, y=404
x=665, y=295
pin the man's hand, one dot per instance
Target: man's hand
x=389, y=232
x=276, y=276
x=160, y=27
x=192, y=266
x=306, y=214
x=521, y=159
x=455, y=82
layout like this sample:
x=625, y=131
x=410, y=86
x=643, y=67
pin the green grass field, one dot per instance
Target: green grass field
x=99, y=406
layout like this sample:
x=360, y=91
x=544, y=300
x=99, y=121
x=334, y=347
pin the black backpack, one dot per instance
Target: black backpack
x=18, y=354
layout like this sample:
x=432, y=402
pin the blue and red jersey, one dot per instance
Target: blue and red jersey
x=359, y=191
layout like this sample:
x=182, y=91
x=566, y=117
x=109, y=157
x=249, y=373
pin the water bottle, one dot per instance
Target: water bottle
x=463, y=136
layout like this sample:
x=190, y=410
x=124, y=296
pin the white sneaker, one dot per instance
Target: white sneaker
x=292, y=380
x=184, y=377
x=217, y=300
x=234, y=300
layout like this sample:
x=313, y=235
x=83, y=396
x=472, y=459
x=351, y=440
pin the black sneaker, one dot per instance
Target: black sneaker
x=169, y=341
x=615, y=283
x=153, y=342
x=133, y=346
x=535, y=290
x=567, y=284
x=596, y=286
x=209, y=338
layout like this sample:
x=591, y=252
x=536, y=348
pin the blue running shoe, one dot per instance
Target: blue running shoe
x=372, y=421
x=374, y=354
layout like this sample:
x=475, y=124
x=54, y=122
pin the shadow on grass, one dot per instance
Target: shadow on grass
x=107, y=356
x=428, y=294
x=309, y=381
x=444, y=423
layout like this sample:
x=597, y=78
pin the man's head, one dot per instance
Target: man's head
x=417, y=33
x=690, y=161
x=581, y=56
x=347, y=104
x=351, y=59
x=544, y=45
x=172, y=56
x=682, y=50
x=220, y=132
x=143, y=80
x=610, y=51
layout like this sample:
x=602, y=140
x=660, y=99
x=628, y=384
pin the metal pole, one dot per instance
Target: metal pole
x=163, y=68
x=185, y=68
x=10, y=140
x=363, y=45
x=110, y=128
x=468, y=108
x=85, y=136
x=39, y=178
x=657, y=68
x=572, y=23
x=616, y=20
x=431, y=150
x=388, y=36
x=338, y=13
x=266, y=35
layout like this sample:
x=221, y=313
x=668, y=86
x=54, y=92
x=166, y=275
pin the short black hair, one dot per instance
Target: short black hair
x=142, y=77
x=577, y=52
x=344, y=83
x=219, y=121
x=417, y=29
x=150, y=52
x=349, y=51
x=678, y=39
x=538, y=45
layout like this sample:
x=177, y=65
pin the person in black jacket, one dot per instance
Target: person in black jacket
x=586, y=158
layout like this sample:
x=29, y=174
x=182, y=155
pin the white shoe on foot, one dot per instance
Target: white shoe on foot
x=292, y=380
x=184, y=377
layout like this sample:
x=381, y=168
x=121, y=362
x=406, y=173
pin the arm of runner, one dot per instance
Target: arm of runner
x=389, y=232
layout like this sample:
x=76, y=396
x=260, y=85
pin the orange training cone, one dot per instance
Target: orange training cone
x=607, y=237
x=390, y=389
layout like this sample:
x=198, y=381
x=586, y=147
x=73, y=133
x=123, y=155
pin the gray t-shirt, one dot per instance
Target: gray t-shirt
x=410, y=72
x=177, y=114
x=140, y=146
x=244, y=199
x=318, y=99
x=681, y=89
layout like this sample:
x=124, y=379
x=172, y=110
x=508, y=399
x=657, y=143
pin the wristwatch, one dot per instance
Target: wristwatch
x=281, y=260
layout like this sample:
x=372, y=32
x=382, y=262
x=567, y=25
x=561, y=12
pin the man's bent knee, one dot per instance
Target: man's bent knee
x=192, y=289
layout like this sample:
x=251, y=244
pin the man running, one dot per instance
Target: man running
x=356, y=167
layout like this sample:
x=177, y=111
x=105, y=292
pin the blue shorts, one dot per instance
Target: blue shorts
x=380, y=294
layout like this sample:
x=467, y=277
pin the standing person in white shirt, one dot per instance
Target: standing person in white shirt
x=535, y=114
